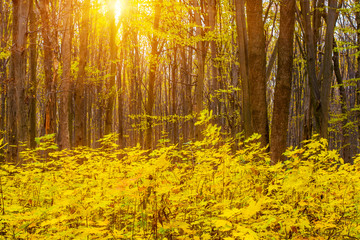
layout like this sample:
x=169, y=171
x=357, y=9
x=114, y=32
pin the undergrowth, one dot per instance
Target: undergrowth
x=201, y=190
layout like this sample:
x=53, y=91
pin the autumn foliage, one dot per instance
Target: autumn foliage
x=200, y=190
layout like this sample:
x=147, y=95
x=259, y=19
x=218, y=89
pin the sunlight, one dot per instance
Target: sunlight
x=118, y=8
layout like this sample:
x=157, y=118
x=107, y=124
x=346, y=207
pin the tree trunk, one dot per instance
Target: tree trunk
x=152, y=76
x=243, y=60
x=4, y=36
x=111, y=89
x=20, y=21
x=214, y=85
x=328, y=72
x=50, y=74
x=80, y=110
x=346, y=153
x=200, y=56
x=279, y=127
x=174, y=129
x=311, y=64
x=257, y=71
x=121, y=91
x=357, y=16
x=32, y=68
x=64, y=138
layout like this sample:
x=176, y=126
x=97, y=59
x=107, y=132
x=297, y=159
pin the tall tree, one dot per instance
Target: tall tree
x=20, y=21
x=49, y=72
x=109, y=112
x=327, y=75
x=80, y=110
x=257, y=71
x=33, y=66
x=4, y=62
x=200, y=57
x=152, y=75
x=279, y=127
x=18, y=106
x=243, y=60
x=311, y=63
x=63, y=135
x=214, y=84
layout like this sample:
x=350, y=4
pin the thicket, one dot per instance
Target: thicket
x=201, y=190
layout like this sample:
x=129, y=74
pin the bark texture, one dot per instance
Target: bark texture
x=64, y=138
x=257, y=70
x=279, y=128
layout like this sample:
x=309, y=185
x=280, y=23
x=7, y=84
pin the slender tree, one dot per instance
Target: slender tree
x=111, y=90
x=257, y=71
x=279, y=127
x=49, y=71
x=327, y=75
x=243, y=60
x=33, y=67
x=200, y=57
x=80, y=110
x=63, y=135
x=152, y=75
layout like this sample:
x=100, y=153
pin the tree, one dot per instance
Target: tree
x=279, y=127
x=200, y=57
x=328, y=69
x=257, y=70
x=152, y=75
x=80, y=110
x=243, y=60
x=64, y=138
x=311, y=63
x=109, y=112
x=49, y=71
x=4, y=62
x=33, y=79
x=18, y=86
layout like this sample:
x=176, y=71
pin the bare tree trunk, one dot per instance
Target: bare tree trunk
x=346, y=153
x=200, y=56
x=328, y=72
x=63, y=137
x=186, y=80
x=257, y=71
x=311, y=64
x=152, y=76
x=279, y=127
x=357, y=16
x=33, y=66
x=4, y=36
x=214, y=85
x=11, y=117
x=20, y=21
x=80, y=110
x=100, y=102
x=243, y=60
x=175, y=125
x=121, y=91
x=50, y=74
x=111, y=88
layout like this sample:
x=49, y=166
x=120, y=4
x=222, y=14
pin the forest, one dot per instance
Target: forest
x=179, y=119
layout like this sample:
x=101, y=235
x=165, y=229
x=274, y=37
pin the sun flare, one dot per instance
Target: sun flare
x=118, y=8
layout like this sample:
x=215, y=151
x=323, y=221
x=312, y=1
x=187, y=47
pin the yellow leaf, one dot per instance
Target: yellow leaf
x=206, y=236
x=223, y=225
x=228, y=213
x=252, y=208
x=245, y=233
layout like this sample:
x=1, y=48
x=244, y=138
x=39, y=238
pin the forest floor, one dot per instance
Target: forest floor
x=203, y=190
